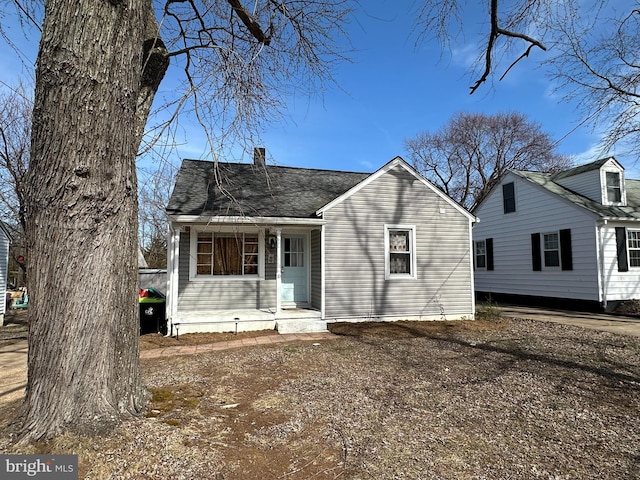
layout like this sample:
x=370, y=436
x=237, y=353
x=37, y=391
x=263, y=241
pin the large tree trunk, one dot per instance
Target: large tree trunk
x=82, y=219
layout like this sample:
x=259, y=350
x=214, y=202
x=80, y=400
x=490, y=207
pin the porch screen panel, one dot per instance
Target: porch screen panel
x=250, y=255
x=204, y=253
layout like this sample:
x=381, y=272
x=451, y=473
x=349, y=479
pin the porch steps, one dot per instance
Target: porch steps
x=297, y=325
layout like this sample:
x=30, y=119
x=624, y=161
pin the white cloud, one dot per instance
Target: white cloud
x=465, y=56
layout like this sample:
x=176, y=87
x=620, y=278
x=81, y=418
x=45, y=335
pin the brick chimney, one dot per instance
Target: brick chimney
x=259, y=156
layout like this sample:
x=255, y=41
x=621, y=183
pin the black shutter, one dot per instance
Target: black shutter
x=536, y=259
x=489, y=246
x=566, y=255
x=621, y=248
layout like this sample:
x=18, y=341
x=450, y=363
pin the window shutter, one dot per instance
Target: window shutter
x=489, y=247
x=566, y=255
x=536, y=259
x=621, y=248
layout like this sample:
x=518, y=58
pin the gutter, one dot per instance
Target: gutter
x=238, y=219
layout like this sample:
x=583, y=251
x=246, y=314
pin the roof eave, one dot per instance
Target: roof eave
x=245, y=220
x=620, y=219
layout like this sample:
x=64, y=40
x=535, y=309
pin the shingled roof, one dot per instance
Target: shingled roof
x=629, y=212
x=245, y=189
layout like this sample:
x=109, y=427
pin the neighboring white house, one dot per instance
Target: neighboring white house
x=256, y=246
x=5, y=240
x=570, y=235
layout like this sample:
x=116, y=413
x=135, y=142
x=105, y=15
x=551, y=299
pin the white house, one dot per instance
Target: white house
x=255, y=246
x=5, y=240
x=571, y=235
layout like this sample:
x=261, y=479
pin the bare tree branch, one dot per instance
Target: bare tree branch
x=494, y=33
x=250, y=22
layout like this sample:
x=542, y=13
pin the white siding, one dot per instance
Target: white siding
x=537, y=211
x=4, y=270
x=355, y=254
x=619, y=285
x=587, y=184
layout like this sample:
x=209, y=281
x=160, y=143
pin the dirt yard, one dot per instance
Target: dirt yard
x=430, y=400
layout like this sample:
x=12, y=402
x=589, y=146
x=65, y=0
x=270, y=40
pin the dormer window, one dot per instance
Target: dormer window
x=614, y=189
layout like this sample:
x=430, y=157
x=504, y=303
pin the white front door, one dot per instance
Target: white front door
x=294, y=269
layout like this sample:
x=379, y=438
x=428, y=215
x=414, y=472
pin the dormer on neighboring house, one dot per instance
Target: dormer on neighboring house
x=601, y=181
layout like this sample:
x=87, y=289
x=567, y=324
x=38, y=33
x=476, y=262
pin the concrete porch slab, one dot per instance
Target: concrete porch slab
x=296, y=320
x=284, y=326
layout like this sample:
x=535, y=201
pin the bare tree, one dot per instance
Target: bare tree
x=153, y=194
x=467, y=156
x=601, y=72
x=99, y=68
x=15, y=143
x=592, y=52
x=506, y=34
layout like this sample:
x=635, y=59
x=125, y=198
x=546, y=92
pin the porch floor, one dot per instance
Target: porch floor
x=294, y=320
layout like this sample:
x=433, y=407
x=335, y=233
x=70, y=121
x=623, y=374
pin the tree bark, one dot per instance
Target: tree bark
x=83, y=367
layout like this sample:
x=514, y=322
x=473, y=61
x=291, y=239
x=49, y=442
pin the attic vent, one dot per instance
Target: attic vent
x=259, y=155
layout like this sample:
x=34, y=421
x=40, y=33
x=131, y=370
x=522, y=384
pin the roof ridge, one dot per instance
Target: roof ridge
x=277, y=166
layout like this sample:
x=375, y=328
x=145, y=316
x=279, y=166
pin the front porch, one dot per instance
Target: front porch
x=294, y=320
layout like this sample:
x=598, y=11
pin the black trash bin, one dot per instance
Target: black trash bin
x=153, y=308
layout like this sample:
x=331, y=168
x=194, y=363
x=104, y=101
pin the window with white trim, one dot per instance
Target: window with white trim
x=400, y=255
x=633, y=245
x=481, y=254
x=293, y=252
x=226, y=254
x=551, y=249
x=614, y=188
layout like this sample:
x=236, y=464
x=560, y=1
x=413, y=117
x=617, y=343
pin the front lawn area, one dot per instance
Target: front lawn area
x=414, y=400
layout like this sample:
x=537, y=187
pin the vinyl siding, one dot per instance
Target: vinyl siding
x=316, y=270
x=587, y=184
x=4, y=268
x=537, y=211
x=355, y=253
x=619, y=285
x=220, y=294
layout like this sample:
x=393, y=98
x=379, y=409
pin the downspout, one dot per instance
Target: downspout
x=169, y=300
x=602, y=279
x=472, y=272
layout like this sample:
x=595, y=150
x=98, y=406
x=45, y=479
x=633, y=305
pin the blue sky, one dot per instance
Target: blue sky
x=393, y=90
x=390, y=92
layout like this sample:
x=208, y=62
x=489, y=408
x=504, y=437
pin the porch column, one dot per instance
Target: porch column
x=322, y=273
x=278, y=270
x=172, y=271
